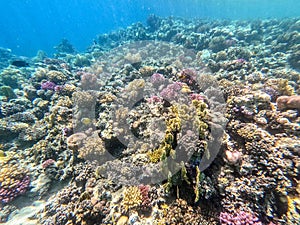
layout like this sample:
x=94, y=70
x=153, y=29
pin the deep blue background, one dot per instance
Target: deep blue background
x=29, y=25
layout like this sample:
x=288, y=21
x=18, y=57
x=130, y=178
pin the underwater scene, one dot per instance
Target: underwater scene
x=136, y=112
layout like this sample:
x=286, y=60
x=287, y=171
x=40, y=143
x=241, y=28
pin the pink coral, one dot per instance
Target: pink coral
x=171, y=91
x=146, y=203
x=239, y=218
x=154, y=99
x=233, y=157
x=47, y=163
x=157, y=79
x=198, y=97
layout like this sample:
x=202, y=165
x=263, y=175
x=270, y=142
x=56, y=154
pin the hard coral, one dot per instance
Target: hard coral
x=240, y=218
x=181, y=213
x=92, y=149
x=14, y=181
x=56, y=76
x=288, y=102
x=146, y=203
x=75, y=140
x=132, y=197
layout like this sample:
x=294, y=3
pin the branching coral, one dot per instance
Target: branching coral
x=132, y=198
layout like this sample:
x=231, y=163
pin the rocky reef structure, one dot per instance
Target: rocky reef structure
x=172, y=122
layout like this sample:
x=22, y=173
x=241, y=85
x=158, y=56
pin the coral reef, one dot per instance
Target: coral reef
x=173, y=122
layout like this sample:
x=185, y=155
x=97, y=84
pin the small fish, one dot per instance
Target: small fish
x=19, y=63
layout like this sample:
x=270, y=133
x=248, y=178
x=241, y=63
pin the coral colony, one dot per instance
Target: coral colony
x=200, y=126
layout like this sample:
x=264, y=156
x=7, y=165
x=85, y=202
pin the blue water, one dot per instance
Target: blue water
x=29, y=25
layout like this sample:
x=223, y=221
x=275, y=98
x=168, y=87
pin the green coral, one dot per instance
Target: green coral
x=8, y=92
x=199, y=178
x=201, y=110
x=11, y=77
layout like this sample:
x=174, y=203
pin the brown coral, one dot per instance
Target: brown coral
x=75, y=140
x=288, y=102
x=92, y=148
x=181, y=213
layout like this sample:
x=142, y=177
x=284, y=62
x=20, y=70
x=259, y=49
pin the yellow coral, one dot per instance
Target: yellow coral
x=281, y=85
x=185, y=89
x=165, y=149
x=201, y=110
x=4, y=157
x=293, y=215
x=56, y=76
x=132, y=197
x=136, y=84
x=156, y=155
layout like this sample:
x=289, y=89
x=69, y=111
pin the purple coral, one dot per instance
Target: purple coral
x=241, y=61
x=7, y=194
x=48, y=163
x=171, y=91
x=48, y=85
x=157, y=79
x=240, y=218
